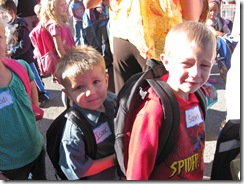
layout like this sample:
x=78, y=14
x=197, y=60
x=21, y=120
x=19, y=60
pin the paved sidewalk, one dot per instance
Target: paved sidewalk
x=214, y=118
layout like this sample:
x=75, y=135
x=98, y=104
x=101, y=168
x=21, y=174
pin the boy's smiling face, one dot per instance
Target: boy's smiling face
x=189, y=68
x=89, y=90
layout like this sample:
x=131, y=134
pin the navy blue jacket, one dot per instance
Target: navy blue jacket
x=23, y=49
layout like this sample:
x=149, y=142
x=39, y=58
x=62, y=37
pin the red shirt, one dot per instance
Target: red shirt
x=185, y=162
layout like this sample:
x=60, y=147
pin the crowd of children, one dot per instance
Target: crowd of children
x=81, y=70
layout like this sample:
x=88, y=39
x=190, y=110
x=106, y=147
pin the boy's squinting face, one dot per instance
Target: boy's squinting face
x=89, y=90
x=189, y=68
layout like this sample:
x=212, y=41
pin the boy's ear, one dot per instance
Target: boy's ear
x=67, y=93
x=107, y=79
x=164, y=60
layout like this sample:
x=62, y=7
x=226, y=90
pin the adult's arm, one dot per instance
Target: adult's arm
x=91, y=3
x=191, y=9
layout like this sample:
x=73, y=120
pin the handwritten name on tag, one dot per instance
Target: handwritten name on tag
x=193, y=117
x=102, y=132
x=5, y=99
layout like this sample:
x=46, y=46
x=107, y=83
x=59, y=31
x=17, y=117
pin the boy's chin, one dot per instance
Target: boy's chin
x=190, y=90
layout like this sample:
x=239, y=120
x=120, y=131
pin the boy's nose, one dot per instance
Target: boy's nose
x=194, y=71
x=89, y=91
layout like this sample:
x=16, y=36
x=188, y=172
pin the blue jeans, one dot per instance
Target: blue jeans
x=78, y=31
x=36, y=169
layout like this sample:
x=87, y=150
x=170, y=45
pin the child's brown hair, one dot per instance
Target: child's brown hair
x=8, y=5
x=78, y=60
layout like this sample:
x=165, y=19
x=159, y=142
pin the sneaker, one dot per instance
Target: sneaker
x=42, y=103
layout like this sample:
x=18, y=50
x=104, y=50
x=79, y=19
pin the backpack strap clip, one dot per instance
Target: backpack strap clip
x=142, y=93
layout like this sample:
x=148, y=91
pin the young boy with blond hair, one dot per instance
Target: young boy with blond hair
x=82, y=72
x=188, y=62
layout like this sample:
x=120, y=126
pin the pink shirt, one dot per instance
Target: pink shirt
x=65, y=33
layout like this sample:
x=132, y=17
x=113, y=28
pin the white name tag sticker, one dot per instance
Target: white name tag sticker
x=102, y=132
x=5, y=99
x=193, y=117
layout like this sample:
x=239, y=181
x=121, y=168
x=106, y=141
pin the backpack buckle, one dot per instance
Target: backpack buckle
x=142, y=93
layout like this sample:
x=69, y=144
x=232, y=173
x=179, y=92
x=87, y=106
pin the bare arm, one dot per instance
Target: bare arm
x=191, y=9
x=101, y=165
x=59, y=46
x=91, y=3
x=75, y=15
x=215, y=32
x=34, y=94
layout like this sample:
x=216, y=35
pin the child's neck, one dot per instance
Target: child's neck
x=101, y=109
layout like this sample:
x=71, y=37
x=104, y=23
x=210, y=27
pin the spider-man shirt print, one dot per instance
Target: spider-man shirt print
x=186, y=158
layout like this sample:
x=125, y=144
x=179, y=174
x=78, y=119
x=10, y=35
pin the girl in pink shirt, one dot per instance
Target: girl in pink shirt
x=54, y=17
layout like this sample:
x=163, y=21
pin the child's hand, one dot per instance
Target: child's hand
x=209, y=22
x=8, y=53
x=2, y=177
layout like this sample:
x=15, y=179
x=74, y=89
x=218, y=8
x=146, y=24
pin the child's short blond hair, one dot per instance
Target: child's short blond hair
x=190, y=33
x=76, y=61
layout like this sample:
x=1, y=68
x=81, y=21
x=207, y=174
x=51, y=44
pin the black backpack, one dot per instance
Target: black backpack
x=227, y=148
x=54, y=135
x=129, y=99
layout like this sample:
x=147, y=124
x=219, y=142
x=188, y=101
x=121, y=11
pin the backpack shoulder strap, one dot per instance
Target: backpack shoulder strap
x=17, y=68
x=202, y=101
x=171, y=111
x=88, y=135
x=171, y=121
x=53, y=139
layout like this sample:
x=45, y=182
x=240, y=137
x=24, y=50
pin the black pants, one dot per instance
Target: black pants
x=127, y=61
x=36, y=169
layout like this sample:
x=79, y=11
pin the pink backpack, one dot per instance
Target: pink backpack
x=44, y=51
x=23, y=75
